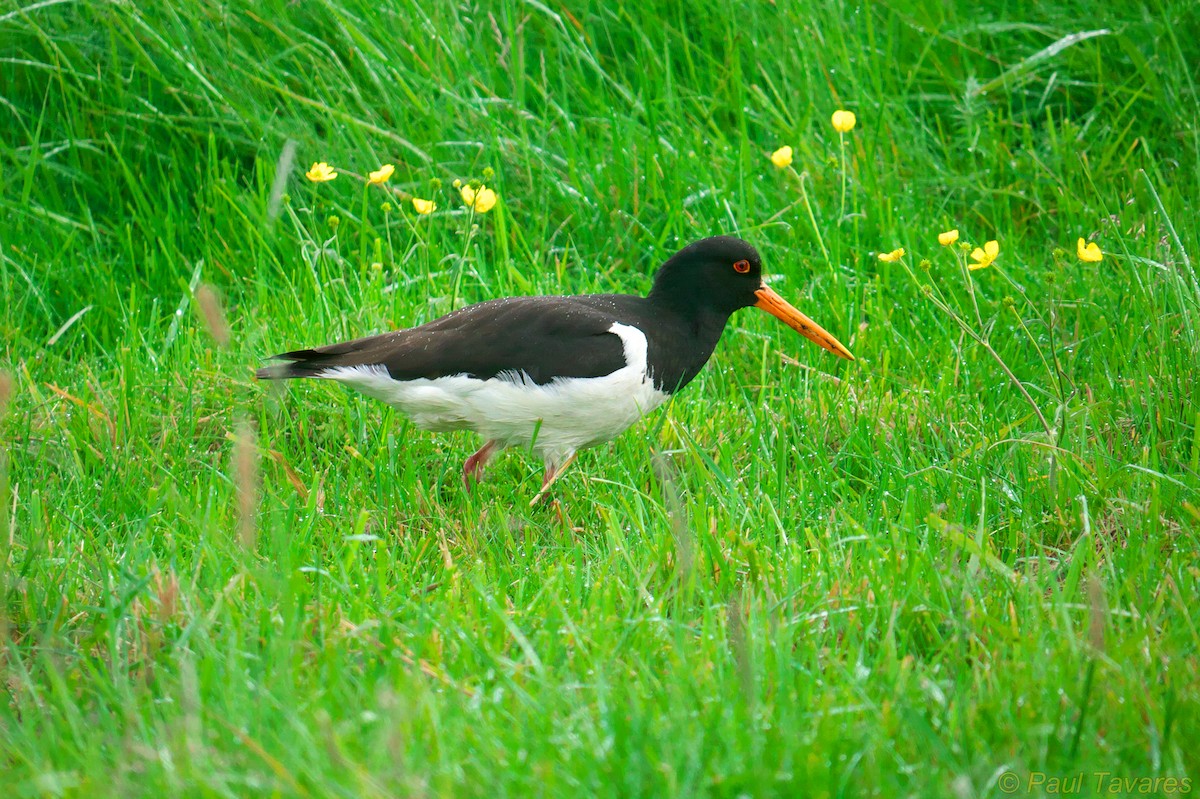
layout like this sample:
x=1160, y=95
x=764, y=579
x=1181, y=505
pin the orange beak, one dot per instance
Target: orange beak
x=782, y=310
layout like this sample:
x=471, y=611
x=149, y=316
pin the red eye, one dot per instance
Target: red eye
x=741, y=267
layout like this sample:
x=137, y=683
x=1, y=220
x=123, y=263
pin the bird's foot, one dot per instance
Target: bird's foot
x=553, y=472
x=473, y=467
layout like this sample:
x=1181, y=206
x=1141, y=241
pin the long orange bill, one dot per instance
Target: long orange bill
x=782, y=310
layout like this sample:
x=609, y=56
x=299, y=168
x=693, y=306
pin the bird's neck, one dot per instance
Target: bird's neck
x=697, y=328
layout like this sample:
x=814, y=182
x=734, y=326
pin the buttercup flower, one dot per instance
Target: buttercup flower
x=893, y=256
x=844, y=121
x=983, y=257
x=424, y=206
x=948, y=238
x=1089, y=253
x=320, y=172
x=481, y=199
x=782, y=157
x=382, y=174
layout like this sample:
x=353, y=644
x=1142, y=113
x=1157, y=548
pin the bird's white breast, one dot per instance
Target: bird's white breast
x=564, y=415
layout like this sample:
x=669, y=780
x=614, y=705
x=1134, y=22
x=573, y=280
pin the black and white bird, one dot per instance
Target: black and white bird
x=557, y=374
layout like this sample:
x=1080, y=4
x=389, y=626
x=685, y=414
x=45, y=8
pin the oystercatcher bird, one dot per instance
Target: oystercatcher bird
x=557, y=374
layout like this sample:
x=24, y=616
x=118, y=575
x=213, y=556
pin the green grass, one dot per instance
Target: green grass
x=801, y=577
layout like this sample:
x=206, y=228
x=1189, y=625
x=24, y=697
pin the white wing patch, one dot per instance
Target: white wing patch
x=566, y=414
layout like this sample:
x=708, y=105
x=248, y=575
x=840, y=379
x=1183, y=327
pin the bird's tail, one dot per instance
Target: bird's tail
x=316, y=361
x=298, y=363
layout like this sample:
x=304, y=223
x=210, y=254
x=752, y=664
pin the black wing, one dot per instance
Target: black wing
x=545, y=337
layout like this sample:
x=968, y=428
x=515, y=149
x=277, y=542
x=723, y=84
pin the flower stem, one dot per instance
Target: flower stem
x=1050, y=373
x=362, y=232
x=811, y=216
x=842, y=140
x=962, y=262
x=983, y=342
x=462, y=259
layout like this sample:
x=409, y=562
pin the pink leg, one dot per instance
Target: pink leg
x=553, y=472
x=473, y=468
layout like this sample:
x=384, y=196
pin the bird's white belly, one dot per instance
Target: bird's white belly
x=557, y=418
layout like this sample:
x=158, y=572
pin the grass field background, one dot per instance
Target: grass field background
x=968, y=558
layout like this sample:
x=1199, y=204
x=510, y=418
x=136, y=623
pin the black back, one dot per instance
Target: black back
x=545, y=337
x=683, y=317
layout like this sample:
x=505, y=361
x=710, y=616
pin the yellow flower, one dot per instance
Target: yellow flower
x=844, y=121
x=983, y=258
x=782, y=157
x=481, y=199
x=893, y=256
x=382, y=174
x=1089, y=253
x=320, y=173
x=948, y=238
x=424, y=206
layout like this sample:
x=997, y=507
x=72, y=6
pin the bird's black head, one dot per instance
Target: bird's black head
x=709, y=279
x=717, y=275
